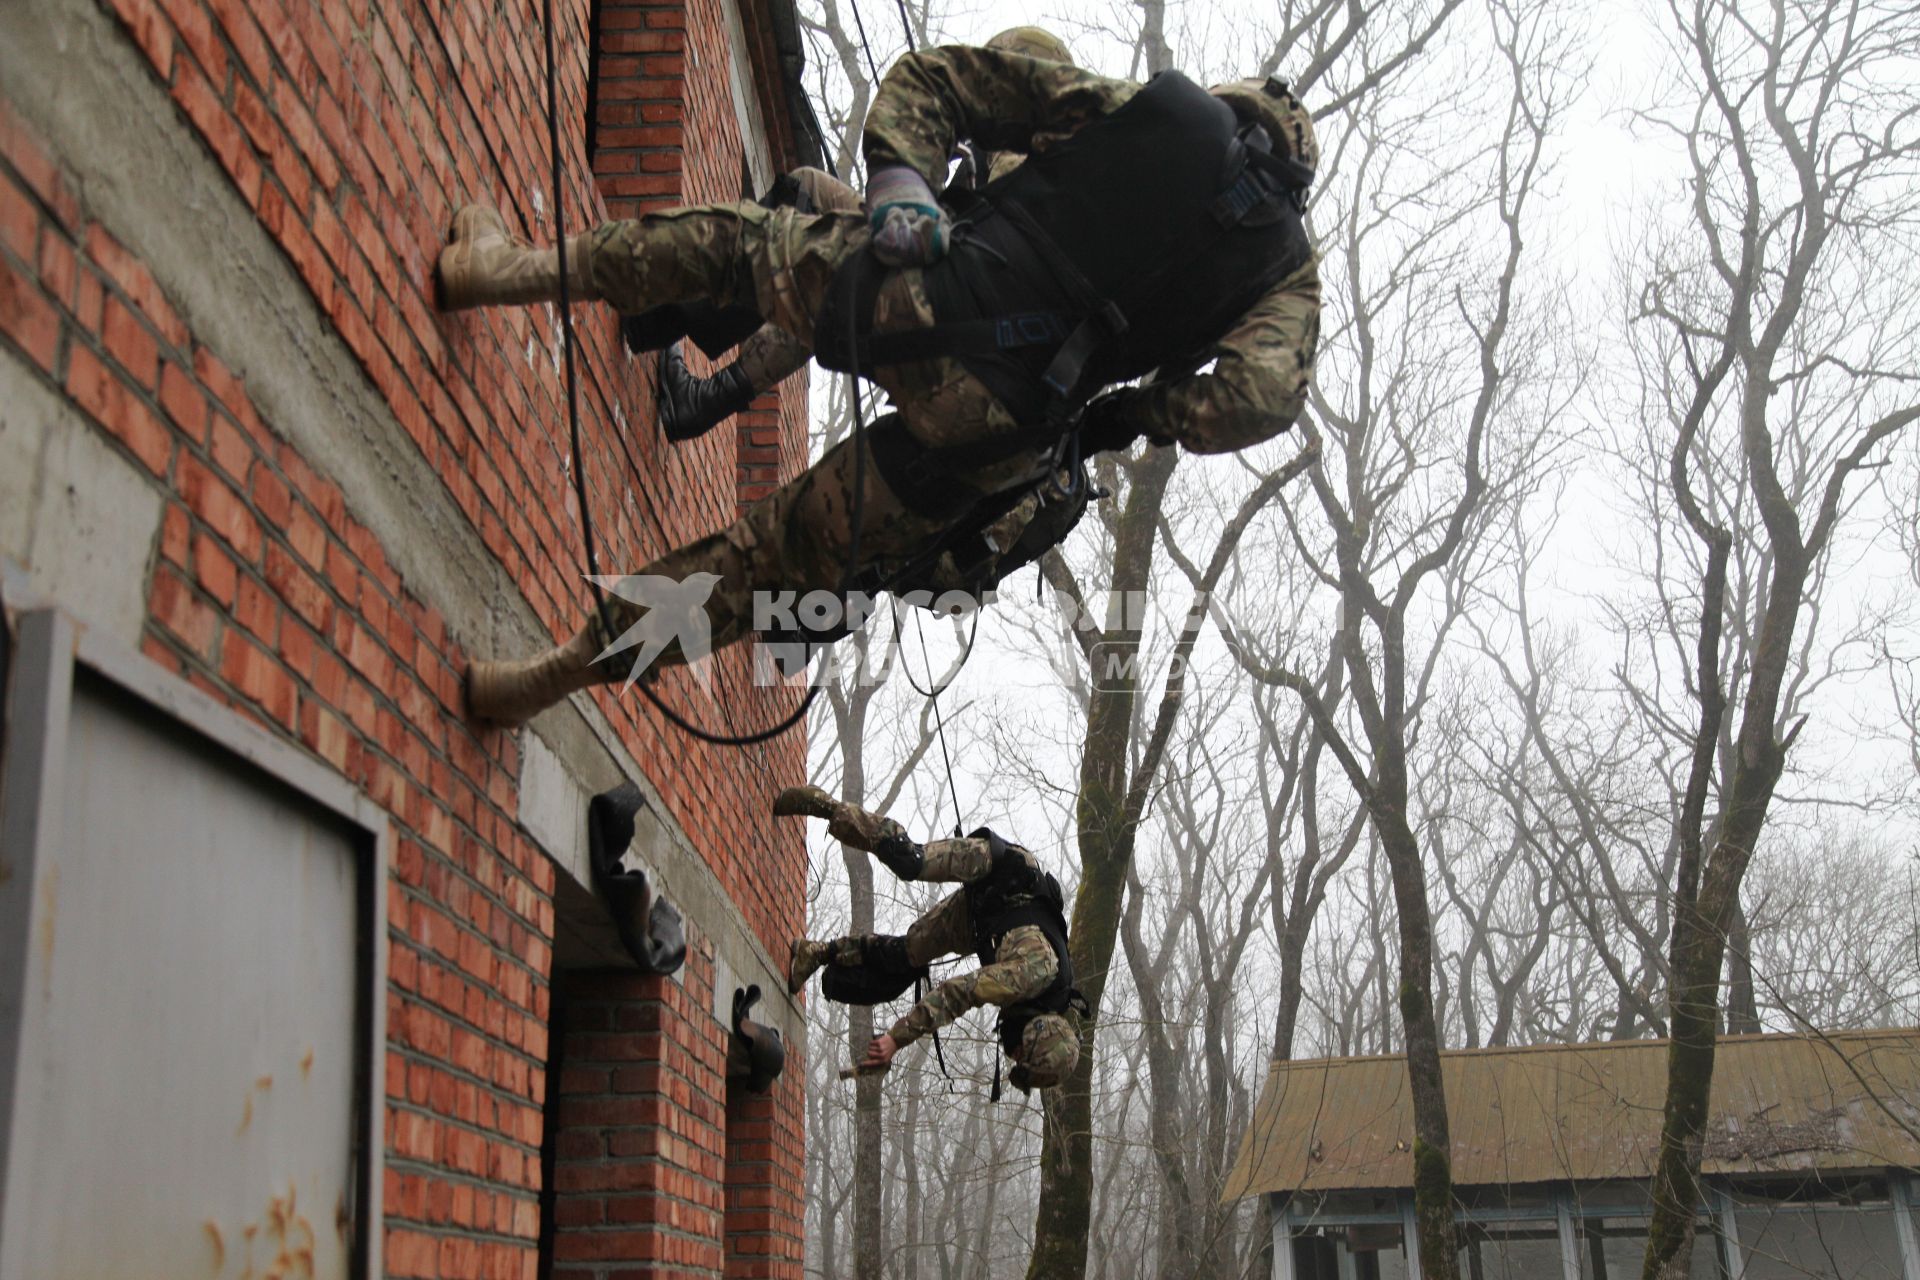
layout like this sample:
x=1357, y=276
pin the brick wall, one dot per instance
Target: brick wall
x=352, y=130
x=657, y=1158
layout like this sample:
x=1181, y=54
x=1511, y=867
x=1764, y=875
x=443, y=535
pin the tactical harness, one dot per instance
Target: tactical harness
x=1044, y=298
x=1012, y=893
x=1016, y=893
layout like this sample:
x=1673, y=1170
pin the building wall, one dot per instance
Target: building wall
x=236, y=435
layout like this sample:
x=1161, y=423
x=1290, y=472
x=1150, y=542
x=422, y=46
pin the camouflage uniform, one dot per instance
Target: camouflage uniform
x=771, y=354
x=781, y=262
x=1023, y=966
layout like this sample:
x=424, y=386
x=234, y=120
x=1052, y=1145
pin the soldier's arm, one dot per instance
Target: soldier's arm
x=1024, y=967
x=1258, y=383
x=998, y=101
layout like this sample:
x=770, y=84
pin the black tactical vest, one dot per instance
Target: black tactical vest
x=1016, y=893
x=1149, y=221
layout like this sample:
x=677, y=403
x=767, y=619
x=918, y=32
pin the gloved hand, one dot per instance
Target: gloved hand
x=909, y=226
x=904, y=857
x=1113, y=422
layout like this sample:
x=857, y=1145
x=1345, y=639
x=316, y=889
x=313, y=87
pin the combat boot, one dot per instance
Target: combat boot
x=515, y=690
x=690, y=406
x=484, y=265
x=810, y=801
x=804, y=959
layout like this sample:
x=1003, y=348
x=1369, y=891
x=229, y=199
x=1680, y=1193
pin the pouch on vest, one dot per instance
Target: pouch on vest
x=877, y=980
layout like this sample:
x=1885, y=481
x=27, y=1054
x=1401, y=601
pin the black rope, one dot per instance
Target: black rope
x=579, y=462
x=906, y=27
x=849, y=574
x=932, y=695
x=566, y=323
x=861, y=27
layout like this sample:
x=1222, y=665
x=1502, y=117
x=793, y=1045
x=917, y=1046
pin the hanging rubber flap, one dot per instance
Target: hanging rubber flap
x=651, y=928
x=755, y=1052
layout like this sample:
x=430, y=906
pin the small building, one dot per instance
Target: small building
x=1811, y=1150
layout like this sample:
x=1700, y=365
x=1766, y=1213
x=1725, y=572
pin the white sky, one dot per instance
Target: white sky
x=1612, y=183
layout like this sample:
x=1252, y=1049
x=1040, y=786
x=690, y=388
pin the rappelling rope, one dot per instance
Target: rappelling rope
x=578, y=462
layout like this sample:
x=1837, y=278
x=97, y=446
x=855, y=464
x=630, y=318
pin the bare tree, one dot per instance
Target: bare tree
x=1799, y=135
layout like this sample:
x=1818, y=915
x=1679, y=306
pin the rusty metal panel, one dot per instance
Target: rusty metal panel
x=191, y=1051
x=1587, y=1113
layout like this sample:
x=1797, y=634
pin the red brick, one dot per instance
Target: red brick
x=230, y=449
x=223, y=510
x=95, y=388
x=307, y=536
x=150, y=30
x=129, y=343
x=59, y=270
x=133, y=279
x=22, y=148
x=271, y=497
x=176, y=533
x=258, y=676
x=214, y=570
x=19, y=222
x=290, y=106
x=254, y=609
x=197, y=33
x=185, y=404
x=174, y=606
x=218, y=128
x=27, y=317
x=243, y=33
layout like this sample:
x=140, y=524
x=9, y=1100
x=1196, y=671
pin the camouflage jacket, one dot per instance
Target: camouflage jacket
x=1009, y=104
x=1024, y=964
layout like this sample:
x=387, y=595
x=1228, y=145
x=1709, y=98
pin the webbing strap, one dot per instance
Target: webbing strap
x=964, y=338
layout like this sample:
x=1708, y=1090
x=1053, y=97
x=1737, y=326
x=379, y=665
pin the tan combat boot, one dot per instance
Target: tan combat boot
x=515, y=690
x=810, y=801
x=484, y=265
x=804, y=959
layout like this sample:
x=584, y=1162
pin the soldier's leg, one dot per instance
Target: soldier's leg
x=847, y=823
x=690, y=405
x=805, y=956
x=798, y=539
x=775, y=260
x=1022, y=968
x=945, y=930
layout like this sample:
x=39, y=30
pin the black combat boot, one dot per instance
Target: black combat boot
x=691, y=406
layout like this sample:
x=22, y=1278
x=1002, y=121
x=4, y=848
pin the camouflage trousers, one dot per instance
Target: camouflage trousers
x=1023, y=966
x=771, y=354
x=799, y=538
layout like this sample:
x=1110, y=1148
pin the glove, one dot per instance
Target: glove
x=904, y=857
x=909, y=226
x=1113, y=422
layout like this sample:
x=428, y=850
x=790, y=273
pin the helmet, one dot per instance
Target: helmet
x=1032, y=42
x=1049, y=1051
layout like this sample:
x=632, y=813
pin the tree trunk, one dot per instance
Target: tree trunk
x=1064, y=1214
x=868, y=1224
x=1432, y=1145
x=1743, y=1009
